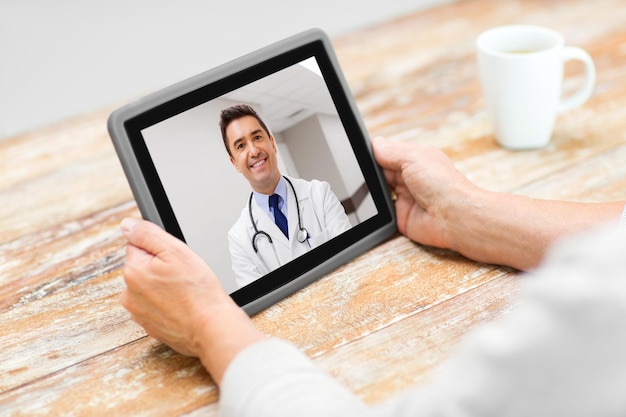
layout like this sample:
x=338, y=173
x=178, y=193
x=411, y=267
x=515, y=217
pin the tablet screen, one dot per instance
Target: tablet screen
x=213, y=152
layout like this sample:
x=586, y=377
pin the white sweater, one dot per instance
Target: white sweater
x=560, y=352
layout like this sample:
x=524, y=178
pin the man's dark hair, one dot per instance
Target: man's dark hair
x=229, y=114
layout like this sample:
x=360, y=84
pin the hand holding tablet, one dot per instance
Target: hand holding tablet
x=262, y=166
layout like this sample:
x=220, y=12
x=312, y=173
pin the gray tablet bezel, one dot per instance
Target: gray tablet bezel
x=117, y=126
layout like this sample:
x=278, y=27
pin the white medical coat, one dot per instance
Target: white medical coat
x=321, y=213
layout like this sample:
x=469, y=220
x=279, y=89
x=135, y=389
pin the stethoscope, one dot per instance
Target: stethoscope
x=302, y=235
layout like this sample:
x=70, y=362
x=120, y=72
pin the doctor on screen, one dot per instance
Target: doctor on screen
x=283, y=217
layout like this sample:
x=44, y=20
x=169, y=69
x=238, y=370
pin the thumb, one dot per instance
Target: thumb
x=390, y=154
x=145, y=235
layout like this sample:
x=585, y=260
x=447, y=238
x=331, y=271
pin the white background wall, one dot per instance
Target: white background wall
x=62, y=58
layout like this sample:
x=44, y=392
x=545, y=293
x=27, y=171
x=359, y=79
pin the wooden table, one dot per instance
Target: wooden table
x=379, y=323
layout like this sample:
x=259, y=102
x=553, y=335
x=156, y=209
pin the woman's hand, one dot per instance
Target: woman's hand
x=173, y=294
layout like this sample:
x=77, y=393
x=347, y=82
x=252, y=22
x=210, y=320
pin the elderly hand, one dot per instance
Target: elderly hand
x=178, y=299
x=428, y=189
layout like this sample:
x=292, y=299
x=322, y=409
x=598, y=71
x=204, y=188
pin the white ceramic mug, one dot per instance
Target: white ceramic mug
x=521, y=73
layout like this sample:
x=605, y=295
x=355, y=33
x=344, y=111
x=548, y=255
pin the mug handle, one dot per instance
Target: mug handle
x=583, y=94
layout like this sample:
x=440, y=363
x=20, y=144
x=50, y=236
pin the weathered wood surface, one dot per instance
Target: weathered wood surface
x=379, y=323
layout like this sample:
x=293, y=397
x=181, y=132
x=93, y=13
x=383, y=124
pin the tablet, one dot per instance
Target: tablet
x=202, y=156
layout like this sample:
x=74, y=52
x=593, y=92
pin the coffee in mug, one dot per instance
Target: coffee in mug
x=521, y=74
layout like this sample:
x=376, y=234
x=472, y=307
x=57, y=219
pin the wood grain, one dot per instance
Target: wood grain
x=380, y=323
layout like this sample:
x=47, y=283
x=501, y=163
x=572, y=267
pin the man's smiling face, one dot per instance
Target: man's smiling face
x=253, y=153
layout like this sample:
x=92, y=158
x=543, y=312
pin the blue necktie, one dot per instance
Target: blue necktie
x=279, y=217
